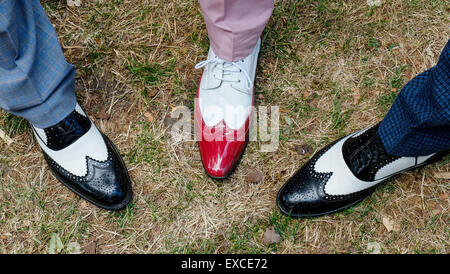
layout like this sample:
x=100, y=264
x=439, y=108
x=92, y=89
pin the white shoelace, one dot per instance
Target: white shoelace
x=225, y=67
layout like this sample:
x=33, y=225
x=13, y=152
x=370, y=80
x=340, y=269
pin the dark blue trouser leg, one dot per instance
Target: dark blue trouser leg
x=418, y=122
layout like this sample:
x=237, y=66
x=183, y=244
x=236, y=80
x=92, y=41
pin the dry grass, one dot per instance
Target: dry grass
x=317, y=58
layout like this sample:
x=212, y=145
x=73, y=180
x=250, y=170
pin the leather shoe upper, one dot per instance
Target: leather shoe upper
x=86, y=161
x=223, y=107
x=343, y=174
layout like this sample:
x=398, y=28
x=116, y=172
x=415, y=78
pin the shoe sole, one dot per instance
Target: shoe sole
x=432, y=160
x=116, y=207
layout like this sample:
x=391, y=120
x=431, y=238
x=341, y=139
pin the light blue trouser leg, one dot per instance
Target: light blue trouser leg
x=36, y=82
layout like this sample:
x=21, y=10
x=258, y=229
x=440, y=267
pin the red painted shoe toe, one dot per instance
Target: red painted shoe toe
x=220, y=157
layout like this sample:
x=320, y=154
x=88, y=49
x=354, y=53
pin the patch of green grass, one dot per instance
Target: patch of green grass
x=328, y=11
x=286, y=128
x=305, y=110
x=56, y=223
x=51, y=5
x=243, y=239
x=387, y=188
x=385, y=101
x=203, y=246
x=147, y=148
x=339, y=115
x=281, y=30
x=347, y=46
x=14, y=125
x=445, y=161
x=124, y=218
x=392, y=46
x=94, y=56
x=186, y=195
x=348, y=211
x=143, y=13
x=366, y=209
x=367, y=81
x=199, y=39
x=285, y=226
x=396, y=80
x=434, y=4
x=150, y=74
x=373, y=43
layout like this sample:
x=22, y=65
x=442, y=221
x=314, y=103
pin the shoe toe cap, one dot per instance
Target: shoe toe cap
x=109, y=185
x=304, y=196
x=298, y=197
x=220, y=158
x=217, y=165
x=108, y=182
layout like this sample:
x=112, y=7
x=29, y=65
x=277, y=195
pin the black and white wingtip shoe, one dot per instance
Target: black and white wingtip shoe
x=342, y=174
x=86, y=161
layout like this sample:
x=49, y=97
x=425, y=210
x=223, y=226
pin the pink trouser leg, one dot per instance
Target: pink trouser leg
x=234, y=26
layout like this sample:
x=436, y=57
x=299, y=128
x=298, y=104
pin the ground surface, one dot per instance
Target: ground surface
x=332, y=66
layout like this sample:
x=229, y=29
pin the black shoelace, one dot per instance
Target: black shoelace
x=367, y=155
x=68, y=130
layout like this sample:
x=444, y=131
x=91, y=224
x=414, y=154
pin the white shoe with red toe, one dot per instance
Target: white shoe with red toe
x=223, y=107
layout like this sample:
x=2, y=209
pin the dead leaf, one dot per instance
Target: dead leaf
x=444, y=196
x=65, y=197
x=390, y=224
x=102, y=114
x=152, y=93
x=90, y=248
x=271, y=237
x=393, y=89
x=304, y=149
x=436, y=211
x=442, y=175
x=148, y=117
x=254, y=176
